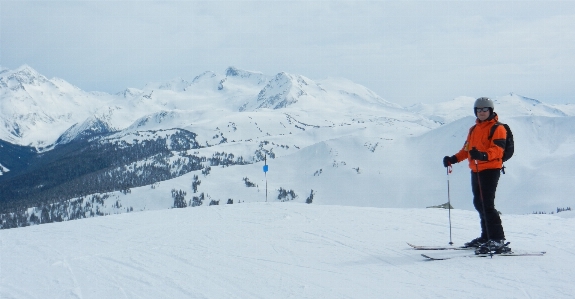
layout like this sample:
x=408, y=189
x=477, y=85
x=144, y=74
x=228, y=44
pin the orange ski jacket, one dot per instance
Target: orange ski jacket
x=478, y=137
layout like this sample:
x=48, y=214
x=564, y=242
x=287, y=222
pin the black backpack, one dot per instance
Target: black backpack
x=509, y=143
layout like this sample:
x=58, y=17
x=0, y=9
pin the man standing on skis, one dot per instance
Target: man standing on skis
x=485, y=156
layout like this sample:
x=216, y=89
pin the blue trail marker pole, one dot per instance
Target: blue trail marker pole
x=266, y=174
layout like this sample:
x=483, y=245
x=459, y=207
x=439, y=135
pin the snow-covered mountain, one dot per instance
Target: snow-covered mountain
x=91, y=126
x=35, y=110
x=328, y=141
x=507, y=106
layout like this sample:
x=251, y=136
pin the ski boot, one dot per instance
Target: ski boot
x=475, y=243
x=493, y=247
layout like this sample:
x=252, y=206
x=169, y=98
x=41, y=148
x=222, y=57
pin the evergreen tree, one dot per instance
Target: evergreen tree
x=195, y=183
x=179, y=198
x=310, y=197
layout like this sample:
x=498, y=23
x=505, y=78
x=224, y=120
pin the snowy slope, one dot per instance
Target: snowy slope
x=544, y=148
x=380, y=162
x=282, y=250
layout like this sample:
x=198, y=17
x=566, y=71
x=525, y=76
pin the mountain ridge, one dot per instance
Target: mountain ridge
x=25, y=113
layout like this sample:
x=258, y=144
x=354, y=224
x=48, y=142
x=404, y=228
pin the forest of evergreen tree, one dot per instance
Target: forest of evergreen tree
x=85, y=168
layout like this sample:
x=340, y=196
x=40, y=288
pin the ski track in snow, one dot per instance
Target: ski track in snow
x=281, y=250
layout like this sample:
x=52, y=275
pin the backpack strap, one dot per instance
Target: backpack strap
x=471, y=129
x=493, y=128
x=491, y=132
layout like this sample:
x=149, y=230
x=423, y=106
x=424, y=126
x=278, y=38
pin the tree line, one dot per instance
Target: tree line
x=86, y=168
x=82, y=168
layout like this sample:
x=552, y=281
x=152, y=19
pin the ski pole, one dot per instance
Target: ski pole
x=483, y=205
x=449, y=203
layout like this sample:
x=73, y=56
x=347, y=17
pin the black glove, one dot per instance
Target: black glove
x=449, y=160
x=477, y=155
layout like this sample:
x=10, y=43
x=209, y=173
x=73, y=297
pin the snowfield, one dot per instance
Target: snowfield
x=282, y=250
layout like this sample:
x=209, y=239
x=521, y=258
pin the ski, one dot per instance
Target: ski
x=446, y=257
x=418, y=247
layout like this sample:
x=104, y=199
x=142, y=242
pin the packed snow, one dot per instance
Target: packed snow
x=283, y=250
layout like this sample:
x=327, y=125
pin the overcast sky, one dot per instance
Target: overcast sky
x=405, y=51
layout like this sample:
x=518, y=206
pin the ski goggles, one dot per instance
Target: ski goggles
x=484, y=109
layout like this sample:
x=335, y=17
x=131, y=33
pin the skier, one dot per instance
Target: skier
x=485, y=160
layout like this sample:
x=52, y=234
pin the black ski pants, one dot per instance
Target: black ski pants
x=484, y=202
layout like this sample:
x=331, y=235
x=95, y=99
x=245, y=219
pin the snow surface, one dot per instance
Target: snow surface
x=282, y=250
